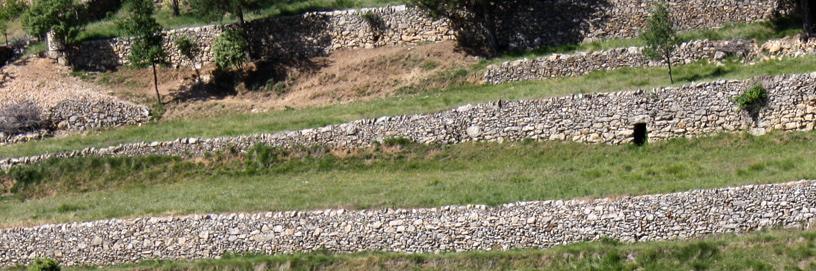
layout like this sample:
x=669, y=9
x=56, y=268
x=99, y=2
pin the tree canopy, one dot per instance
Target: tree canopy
x=61, y=16
x=475, y=21
x=230, y=49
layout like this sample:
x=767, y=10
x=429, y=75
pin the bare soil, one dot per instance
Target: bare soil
x=343, y=76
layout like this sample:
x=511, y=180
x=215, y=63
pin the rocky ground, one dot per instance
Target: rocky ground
x=45, y=83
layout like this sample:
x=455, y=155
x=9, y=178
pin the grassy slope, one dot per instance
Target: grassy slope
x=774, y=250
x=239, y=124
x=417, y=176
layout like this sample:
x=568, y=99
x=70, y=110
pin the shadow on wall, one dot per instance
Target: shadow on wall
x=96, y=55
x=287, y=43
x=528, y=24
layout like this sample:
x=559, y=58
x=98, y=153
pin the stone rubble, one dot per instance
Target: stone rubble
x=445, y=229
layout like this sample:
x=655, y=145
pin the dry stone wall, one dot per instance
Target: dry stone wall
x=522, y=26
x=458, y=228
x=86, y=114
x=289, y=37
x=687, y=111
x=574, y=64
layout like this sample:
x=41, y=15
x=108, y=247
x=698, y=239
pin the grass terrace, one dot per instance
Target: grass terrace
x=241, y=124
x=397, y=174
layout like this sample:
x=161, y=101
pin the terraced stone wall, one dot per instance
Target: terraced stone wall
x=289, y=37
x=522, y=25
x=687, y=111
x=581, y=63
x=446, y=229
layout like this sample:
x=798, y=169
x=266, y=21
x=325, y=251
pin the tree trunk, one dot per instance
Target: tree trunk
x=156, y=84
x=240, y=14
x=807, y=18
x=245, y=32
x=5, y=36
x=489, y=24
x=669, y=60
x=176, y=10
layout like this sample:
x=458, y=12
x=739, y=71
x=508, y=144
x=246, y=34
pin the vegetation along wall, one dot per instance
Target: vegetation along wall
x=559, y=65
x=522, y=26
x=612, y=118
x=517, y=225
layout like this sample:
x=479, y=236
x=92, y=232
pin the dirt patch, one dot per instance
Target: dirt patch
x=44, y=82
x=350, y=75
x=344, y=76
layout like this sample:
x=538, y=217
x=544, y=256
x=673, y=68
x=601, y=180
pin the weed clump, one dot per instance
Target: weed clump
x=20, y=117
x=44, y=264
x=752, y=100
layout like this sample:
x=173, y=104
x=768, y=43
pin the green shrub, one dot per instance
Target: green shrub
x=753, y=99
x=187, y=47
x=397, y=141
x=44, y=264
x=230, y=49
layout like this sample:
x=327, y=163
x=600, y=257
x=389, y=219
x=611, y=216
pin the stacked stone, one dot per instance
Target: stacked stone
x=446, y=229
x=308, y=35
x=86, y=114
x=687, y=111
x=562, y=65
x=6, y=139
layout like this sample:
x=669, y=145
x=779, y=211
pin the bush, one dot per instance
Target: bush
x=20, y=117
x=230, y=49
x=44, y=264
x=397, y=141
x=752, y=99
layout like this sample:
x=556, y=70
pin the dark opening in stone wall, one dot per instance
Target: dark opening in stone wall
x=641, y=134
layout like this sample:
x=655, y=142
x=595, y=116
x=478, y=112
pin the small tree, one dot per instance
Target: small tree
x=10, y=9
x=60, y=16
x=190, y=50
x=146, y=37
x=660, y=36
x=229, y=50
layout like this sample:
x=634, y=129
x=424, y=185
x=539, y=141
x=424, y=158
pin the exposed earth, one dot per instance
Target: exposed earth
x=344, y=76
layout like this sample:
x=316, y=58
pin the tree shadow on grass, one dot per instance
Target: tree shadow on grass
x=702, y=75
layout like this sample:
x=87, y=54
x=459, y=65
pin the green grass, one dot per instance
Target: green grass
x=240, y=124
x=107, y=28
x=772, y=250
x=407, y=176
